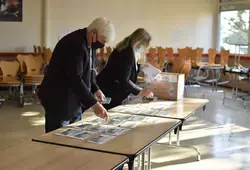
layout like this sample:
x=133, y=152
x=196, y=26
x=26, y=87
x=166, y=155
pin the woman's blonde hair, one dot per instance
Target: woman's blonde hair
x=139, y=35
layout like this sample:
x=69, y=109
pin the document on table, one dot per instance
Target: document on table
x=115, y=131
x=68, y=132
x=82, y=135
x=101, y=139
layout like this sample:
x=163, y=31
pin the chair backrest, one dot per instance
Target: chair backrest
x=183, y=53
x=35, y=49
x=189, y=53
x=224, y=55
x=9, y=70
x=211, y=55
x=20, y=59
x=152, y=55
x=33, y=65
x=196, y=57
x=47, y=54
x=170, y=54
x=186, y=69
x=161, y=54
x=39, y=50
x=178, y=64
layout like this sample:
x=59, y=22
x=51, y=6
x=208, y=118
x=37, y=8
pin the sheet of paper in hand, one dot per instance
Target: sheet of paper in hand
x=68, y=132
x=101, y=139
x=82, y=135
x=115, y=131
x=150, y=72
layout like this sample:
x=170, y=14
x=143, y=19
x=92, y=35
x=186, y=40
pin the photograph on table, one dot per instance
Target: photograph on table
x=84, y=126
x=136, y=118
x=82, y=135
x=94, y=120
x=115, y=131
x=129, y=124
x=68, y=132
x=162, y=113
x=151, y=120
x=98, y=128
x=11, y=10
x=101, y=139
x=114, y=122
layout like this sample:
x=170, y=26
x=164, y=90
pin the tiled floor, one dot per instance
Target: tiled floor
x=221, y=133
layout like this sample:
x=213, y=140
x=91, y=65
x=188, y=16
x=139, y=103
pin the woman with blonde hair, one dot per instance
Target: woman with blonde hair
x=117, y=80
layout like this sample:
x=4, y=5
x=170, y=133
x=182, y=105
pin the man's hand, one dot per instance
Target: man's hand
x=99, y=95
x=100, y=111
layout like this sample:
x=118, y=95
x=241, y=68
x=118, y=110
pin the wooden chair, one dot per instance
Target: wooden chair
x=196, y=55
x=9, y=71
x=8, y=78
x=35, y=49
x=20, y=59
x=211, y=56
x=224, y=55
x=189, y=53
x=183, y=53
x=39, y=50
x=152, y=55
x=161, y=57
x=170, y=55
x=47, y=54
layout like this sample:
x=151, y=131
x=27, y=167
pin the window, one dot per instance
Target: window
x=234, y=26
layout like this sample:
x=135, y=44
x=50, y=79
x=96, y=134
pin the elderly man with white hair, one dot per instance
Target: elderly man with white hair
x=69, y=86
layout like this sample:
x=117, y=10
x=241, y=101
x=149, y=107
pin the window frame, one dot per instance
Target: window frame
x=219, y=4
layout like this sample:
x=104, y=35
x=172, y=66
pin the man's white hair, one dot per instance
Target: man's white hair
x=103, y=27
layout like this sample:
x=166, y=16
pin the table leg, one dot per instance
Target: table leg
x=170, y=140
x=149, y=158
x=139, y=162
x=131, y=164
x=178, y=136
x=143, y=161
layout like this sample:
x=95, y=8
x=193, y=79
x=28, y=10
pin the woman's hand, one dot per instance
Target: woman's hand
x=147, y=93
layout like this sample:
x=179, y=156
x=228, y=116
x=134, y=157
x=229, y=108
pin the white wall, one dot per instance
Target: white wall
x=21, y=36
x=176, y=23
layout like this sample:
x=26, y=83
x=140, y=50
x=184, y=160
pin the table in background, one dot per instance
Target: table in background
x=41, y=156
x=237, y=76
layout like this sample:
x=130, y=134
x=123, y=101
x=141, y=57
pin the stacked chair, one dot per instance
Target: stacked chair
x=31, y=73
x=8, y=76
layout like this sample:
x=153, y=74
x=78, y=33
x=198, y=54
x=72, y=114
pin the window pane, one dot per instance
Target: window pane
x=234, y=31
x=234, y=7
